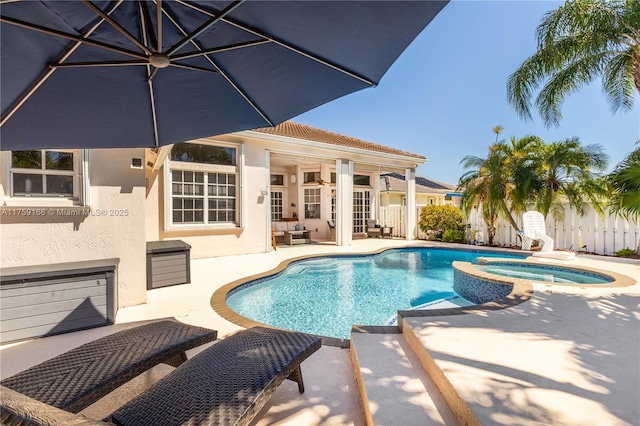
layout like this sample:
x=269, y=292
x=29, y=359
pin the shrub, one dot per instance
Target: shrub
x=625, y=252
x=441, y=218
x=453, y=236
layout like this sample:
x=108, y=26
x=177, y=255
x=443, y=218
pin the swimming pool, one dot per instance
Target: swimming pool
x=327, y=295
x=545, y=273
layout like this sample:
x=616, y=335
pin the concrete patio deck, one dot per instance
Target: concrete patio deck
x=569, y=355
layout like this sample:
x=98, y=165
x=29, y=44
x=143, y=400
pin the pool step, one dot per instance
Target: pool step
x=394, y=388
x=411, y=331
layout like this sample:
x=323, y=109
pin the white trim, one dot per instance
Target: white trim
x=267, y=199
x=163, y=153
x=166, y=176
x=410, y=179
x=86, y=177
x=326, y=145
x=241, y=195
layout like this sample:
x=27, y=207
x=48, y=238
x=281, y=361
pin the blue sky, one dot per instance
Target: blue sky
x=445, y=93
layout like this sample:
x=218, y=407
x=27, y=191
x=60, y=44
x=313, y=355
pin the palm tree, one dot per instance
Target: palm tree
x=625, y=185
x=497, y=130
x=504, y=182
x=578, y=42
x=484, y=185
x=520, y=161
x=568, y=170
x=525, y=172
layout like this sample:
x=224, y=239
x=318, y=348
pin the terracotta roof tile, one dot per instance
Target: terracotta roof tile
x=302, y=131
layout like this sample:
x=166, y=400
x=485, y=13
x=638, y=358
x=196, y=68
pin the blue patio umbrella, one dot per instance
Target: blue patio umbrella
x=145, y=73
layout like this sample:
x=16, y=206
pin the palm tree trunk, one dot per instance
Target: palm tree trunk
x=636, y=70
x=507, y=213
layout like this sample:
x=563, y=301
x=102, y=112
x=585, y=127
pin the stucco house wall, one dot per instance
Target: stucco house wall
x=111, y=226
x=249, y=237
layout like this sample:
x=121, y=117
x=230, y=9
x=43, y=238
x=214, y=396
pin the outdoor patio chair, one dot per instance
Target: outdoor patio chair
x=372, y=228
x=225, y=384
x=533, y=228
x=78, y=378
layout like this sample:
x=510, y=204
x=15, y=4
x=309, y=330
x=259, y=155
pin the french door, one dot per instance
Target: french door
x=361, y=210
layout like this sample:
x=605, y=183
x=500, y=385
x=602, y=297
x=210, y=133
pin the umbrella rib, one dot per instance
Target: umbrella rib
x=143, y=13
x=145, y=21
x=153, y=113
x=189, y=55
x=302, y=52
x=229, y=80
x=152, y=74
x=159, y=26
x=72, y=37
x=215, y=19
x=284, y=44
x=117, y=26
x=192, y=67
x=46, y=74
x=98, y=64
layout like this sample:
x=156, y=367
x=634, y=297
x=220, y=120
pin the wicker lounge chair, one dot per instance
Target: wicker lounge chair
x=226, y=384
x=81, y=376
x=373, y=229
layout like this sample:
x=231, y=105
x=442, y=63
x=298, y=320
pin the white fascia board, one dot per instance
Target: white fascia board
x=323, y=145
x=163, y=153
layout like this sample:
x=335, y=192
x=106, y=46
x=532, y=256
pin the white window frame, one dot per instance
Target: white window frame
x=274, y=205
x=282, y=175
x=359, y=185
x=317, y=176
x=237, y=170
x=317, y=194
x=334, y=206
x=81, y=182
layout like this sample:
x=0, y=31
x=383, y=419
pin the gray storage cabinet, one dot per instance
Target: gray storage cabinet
x=168, y=263
x=37, y=304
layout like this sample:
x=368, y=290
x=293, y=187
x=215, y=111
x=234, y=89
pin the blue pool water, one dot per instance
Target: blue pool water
x=555, y=274
x=327, y=295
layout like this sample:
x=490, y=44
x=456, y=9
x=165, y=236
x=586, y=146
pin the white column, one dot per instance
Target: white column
x=267, y=200
x=412, y=221
x=375, y=202
x=344, y=202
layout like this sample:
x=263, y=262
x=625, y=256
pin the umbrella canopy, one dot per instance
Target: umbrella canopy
x=102, y=74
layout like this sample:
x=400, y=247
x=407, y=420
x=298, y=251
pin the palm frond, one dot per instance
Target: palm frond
x=578, y=42
x=618, y=83
x=566, y=82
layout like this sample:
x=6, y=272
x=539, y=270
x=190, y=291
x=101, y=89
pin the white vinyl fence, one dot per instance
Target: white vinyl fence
x=589, y=233
x=396, y=216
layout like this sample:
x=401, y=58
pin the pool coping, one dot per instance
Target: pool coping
x=521, y=292
x=619, y=280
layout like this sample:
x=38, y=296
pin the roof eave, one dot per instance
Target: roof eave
x=418, y=159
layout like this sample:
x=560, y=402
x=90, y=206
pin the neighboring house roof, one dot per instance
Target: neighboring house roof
x=395, y=182
x=302, y=131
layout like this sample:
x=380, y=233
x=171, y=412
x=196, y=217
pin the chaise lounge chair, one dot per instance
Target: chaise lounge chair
x=533, y=228
x=78, y=378
x=225, y=384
